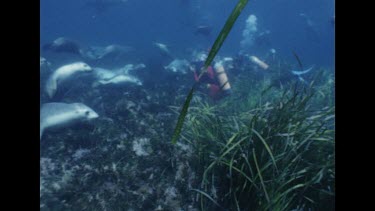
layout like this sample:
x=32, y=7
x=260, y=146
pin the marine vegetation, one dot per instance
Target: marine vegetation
x=272, y=151
x=276, y=153
x=270, y=145
x=211, y=55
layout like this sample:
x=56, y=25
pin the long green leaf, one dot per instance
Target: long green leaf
x=223, y=34
x=215, y=48
x=260, y=177
x=267, y=147
x=208, y=196
x=239, y=171
x=298, y=60
x=181, y=118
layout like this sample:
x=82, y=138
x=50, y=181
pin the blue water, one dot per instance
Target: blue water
x=123, y=159
x=139, y=23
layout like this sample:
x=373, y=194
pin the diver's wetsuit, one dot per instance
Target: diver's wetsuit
x=209, y=79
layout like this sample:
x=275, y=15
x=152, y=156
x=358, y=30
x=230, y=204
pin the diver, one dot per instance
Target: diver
x=215, y=79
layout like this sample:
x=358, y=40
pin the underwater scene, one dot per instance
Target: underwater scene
x=187, y=105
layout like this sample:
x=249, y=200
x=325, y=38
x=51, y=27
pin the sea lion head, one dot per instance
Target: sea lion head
x=81, y=66
x=85, y=112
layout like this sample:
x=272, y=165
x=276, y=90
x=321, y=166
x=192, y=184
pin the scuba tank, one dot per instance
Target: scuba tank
x=258, y=62
x=222, y=77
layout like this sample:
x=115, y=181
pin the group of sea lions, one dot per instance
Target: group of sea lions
x=59, y=114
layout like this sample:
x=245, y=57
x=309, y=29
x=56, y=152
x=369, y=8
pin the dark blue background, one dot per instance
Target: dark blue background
x=138, y=23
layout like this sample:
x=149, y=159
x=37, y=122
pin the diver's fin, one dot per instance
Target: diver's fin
x=309, y=69
x=303, y=72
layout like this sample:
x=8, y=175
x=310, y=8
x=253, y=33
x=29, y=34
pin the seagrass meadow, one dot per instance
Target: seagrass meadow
x=268, y=146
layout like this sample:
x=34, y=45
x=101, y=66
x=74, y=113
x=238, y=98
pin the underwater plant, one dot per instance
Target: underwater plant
x=215, y=48
x=277, y=154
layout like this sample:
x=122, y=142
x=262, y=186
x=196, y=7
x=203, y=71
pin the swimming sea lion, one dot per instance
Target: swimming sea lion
x=163, y=49
x=103, y=74
x=62, y=74
x=109, y=52
x=54, y=115
x=63, y=44
x=121, y=79
x=127, y=69
x=115, y=50
x=178, y=65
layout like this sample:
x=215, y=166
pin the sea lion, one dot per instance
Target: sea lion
x=127, y=69
x=199, y=56
x=63, y=44
x=59, y=115
x=111, y=51
x=103, y=74
x=62, y=74
x=116, y=76
x=116, y=50
x=121, y=79
x=163, y=49
x=178, y=65
x=106, y=74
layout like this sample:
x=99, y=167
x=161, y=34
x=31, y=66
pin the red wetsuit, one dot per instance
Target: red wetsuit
x=209, y=78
